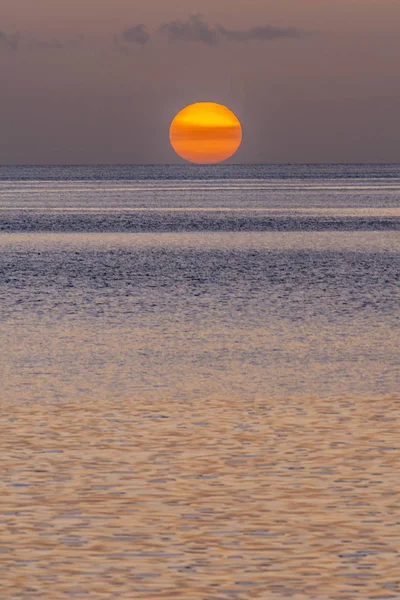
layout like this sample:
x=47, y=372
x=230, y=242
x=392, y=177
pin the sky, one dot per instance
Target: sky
x=99, y=81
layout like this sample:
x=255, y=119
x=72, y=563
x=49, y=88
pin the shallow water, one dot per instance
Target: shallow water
x=200, y=382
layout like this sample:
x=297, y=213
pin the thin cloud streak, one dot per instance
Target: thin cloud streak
x=52, y=44
x=266, y=33
x=55, y=44
x=21, y=43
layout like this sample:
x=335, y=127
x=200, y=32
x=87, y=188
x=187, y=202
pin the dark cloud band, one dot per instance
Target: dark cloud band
x=194, y=29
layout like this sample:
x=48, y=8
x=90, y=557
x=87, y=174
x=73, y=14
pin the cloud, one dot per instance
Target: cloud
x=266, y=33
x=195, y=29
x=10, y=41
x=137, y=34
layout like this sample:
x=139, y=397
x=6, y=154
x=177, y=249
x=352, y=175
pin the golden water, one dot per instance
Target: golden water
x=226, y=499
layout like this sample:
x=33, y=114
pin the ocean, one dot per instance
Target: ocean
x=200, y=382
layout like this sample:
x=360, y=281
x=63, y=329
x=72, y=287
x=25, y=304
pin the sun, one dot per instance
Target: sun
x=205, y=133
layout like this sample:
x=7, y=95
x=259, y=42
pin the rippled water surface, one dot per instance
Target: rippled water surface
x=199, y=382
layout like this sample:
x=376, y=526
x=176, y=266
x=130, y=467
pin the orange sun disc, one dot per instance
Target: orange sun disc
x=205, y=133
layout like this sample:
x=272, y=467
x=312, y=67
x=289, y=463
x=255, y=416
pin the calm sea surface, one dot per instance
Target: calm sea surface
x=200, y=382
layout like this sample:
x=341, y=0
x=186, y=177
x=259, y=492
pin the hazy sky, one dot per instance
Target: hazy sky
x=98, y=81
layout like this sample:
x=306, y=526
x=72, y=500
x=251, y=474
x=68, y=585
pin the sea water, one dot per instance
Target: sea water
x=199, y=382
